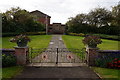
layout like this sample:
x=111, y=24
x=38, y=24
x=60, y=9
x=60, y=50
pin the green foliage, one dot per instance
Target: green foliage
x=116, y=15
x=104, y=36
x=75, y=34
x=111, y=30
x=99, y=17
x=9, y=34
x=98, y=20
x=26, y=33
x=8, y=60
x=102, y=62
x=35, y=33
x=19, y=20
x=10, y=72
x=109, y=60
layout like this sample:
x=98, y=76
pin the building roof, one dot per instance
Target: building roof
x=57, y=23
x=40, y=13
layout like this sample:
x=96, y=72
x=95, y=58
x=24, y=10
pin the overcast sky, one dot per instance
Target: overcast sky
x=59, y=10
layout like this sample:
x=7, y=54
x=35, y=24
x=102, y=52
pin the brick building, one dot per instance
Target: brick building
x=55, y=28
x=41, y=17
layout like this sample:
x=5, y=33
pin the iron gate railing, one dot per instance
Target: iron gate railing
x=57, y=55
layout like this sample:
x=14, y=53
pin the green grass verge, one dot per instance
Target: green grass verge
x=106, y=73
x=76, y=42
x=10, y=72
x=73, y=41
x=37, y=41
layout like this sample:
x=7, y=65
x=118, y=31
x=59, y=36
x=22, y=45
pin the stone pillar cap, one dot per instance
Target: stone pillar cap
x=93, y=48
x=20, y=47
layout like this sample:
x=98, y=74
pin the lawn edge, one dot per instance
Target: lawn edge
x=96, y=73
x=15, y=74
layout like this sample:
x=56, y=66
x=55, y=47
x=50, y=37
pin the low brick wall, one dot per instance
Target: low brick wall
x=108, y=58
x=8, y=51
x=109, y=53
x=96, y=57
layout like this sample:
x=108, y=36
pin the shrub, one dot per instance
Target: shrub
x=35, y=33
x=108, y=60
x=81, y=34
x=77, y=34
x=114, y=63
x=109, y=37
x=20, y=38
x=92, y=40
x=102, y=62
x=9, y=34
x=8, y=60
x=73, y=34
x=27, y=33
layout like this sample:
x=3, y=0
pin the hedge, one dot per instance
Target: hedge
x=110, y=37
x=103, y=36
x=27, y=33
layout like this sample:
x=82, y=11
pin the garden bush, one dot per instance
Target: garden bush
x=105, y=36
x=9, y=34
x=102, y=62
x=8, y=60
x=27, y=33
x=35, y=33
x=108, y=60
x=110, y=37
x=77, y=34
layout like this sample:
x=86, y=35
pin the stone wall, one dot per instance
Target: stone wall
x=93, y=54
x=8, y=51
x=56, y=28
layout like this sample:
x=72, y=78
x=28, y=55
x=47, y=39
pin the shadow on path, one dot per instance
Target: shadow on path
x=58, y=73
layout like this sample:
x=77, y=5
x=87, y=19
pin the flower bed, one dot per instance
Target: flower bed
x=108, y=59
x=21, y=40
x=92, y=41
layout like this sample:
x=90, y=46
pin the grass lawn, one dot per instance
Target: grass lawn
x=10, y=72
x=37, y=41
x=0, y=42
x=76, y=42
x=107, y=73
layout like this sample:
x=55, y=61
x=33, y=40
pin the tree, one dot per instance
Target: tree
x=20, y=20
x=116, y=15
x=99, y=17
x=79, y=24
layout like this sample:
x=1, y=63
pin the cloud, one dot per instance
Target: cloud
x=59, y=10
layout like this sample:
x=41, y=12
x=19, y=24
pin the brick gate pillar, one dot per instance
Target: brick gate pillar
x=21, y=55
x=91, y=56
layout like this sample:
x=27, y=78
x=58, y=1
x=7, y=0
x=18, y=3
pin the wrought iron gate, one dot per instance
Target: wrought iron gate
x=57, y=55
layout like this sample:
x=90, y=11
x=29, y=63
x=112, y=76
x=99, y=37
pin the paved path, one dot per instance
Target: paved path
x=57, y=73
x=57, y=42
